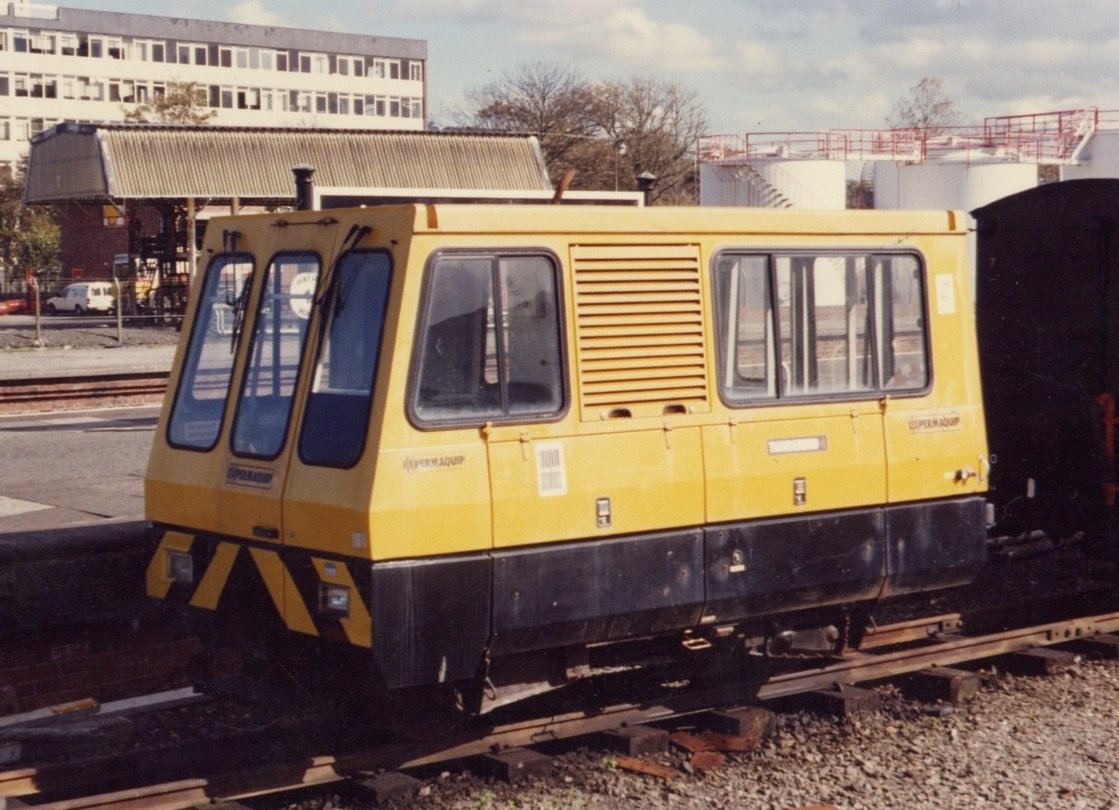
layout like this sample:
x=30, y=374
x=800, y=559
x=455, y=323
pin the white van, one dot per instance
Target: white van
x=83, y=297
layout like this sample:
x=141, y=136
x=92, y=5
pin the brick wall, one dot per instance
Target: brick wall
x=100, y=662
x=88, y=245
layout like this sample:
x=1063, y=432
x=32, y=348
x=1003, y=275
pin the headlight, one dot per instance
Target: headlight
x=180, y=568
x=334, y=599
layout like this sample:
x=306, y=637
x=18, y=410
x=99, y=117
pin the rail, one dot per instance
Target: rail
x=72, y=392
x=231, y=772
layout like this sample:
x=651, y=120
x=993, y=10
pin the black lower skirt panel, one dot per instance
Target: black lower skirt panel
x=435, y=620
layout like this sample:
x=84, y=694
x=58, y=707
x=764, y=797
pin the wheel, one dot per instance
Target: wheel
x=79, y=311
x=51, y=310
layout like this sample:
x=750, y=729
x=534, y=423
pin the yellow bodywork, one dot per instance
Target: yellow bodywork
x=638, y=451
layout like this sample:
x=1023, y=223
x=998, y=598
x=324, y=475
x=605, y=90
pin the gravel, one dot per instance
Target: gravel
x=1046, y=742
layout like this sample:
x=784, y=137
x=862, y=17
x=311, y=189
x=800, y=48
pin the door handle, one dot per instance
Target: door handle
x=266, y=532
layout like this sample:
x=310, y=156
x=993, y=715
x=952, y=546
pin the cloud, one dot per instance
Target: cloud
x=253, y=12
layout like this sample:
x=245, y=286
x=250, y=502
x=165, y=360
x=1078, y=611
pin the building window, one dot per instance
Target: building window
x=200, y=55
x=19, y=41
x=22, y=125
x=416, y=71
x=5, y=129
x=159, y=52
x=3, y=41
x=304, y=64
x=282, y=62
x=351, y=66
x=115, y=48
x=68, y=44
x=42, y=43
x=4, y=89
x=21, y=87
x=225, y=57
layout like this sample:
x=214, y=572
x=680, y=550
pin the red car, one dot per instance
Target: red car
x=13, y=305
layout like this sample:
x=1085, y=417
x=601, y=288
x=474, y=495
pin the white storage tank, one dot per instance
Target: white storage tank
x=948, y=184
x=1099, y=157
x=775, y=183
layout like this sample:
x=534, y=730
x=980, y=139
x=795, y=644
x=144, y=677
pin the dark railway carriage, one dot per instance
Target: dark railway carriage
x=1047, y=279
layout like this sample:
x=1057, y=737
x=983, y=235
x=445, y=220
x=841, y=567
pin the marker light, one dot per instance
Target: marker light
x=180, y=568
x=334, y=599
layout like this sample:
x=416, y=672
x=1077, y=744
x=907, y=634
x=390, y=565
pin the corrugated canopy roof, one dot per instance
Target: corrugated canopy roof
x=151, y=161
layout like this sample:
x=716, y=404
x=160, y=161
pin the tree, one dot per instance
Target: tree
x=610, y=132
x=927, y=107
x=180, y=103
x=547, y=100
x=659, y=123
x=29, y=237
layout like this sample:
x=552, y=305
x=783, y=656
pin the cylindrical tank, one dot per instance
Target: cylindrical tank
x=948, y=184
x=1098, y=158
x=775, y=183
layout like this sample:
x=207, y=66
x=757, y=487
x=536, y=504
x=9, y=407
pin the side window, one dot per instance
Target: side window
x=336, y=420
x=746, y=306
x=489, y=346
x=208, y=368
x=795, y=325
x=264, y=405
x=904, y=356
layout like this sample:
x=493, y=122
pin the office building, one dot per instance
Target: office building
x=63, y=64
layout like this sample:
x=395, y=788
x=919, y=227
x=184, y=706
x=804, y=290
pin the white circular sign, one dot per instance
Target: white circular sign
x=302, y=293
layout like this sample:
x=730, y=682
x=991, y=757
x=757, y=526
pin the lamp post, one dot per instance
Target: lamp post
x=619, y=151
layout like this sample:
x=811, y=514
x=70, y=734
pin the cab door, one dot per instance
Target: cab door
x=804, y=432
x=797, y=474
x=257, y=453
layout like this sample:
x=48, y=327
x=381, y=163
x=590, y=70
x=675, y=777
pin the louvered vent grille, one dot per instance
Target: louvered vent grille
x=639, y=330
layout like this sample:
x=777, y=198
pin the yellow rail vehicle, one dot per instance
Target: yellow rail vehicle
x=503, y=445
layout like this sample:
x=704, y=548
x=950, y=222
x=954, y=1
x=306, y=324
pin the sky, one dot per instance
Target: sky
x=754, y=65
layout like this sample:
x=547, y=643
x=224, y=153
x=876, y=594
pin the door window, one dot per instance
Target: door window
x=337, y=415
x=268, y=386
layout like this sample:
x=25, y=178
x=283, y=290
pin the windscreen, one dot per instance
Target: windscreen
x=280, y=329
x=204, y=385
x=337, y=416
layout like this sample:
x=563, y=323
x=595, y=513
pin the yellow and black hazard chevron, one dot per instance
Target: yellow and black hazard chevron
x=309, y=594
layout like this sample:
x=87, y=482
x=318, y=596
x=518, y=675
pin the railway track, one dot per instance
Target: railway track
x=230, y=770
x=69, y=392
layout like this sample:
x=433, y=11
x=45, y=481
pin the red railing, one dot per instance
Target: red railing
x=1035, y=137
